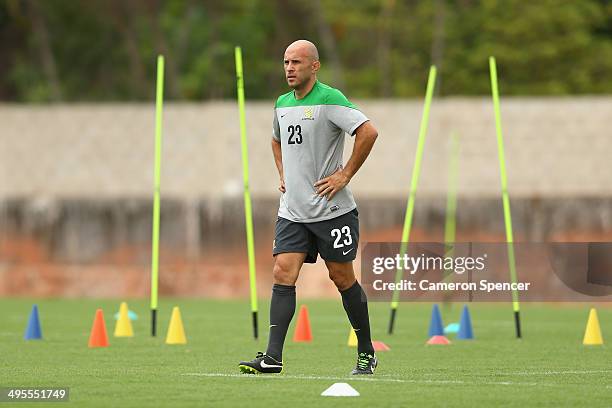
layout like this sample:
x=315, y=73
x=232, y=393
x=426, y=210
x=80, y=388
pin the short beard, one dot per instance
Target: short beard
x=295, y=85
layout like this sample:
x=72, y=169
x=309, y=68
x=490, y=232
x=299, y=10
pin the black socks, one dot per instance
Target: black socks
x=282, y=309
x=357, y=311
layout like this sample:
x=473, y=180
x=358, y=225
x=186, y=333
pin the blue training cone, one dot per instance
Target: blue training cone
x=435, y=326
x=465, y=326
x=33, y=331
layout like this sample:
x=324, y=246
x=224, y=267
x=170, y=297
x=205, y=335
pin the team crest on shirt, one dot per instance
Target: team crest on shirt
x=308, y=113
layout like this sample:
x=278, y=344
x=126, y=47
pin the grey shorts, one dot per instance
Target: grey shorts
x=335, y=239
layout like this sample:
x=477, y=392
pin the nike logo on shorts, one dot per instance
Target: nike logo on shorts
x=346, y=252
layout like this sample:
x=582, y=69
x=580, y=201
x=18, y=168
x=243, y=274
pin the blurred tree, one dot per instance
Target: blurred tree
x=123, y=15
x=543, y=47
x=384, y=29
x=43, y=47
x=328, y=42
x=106, y=49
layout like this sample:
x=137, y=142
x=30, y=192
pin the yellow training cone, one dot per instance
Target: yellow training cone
x=592, y=335
x=352, y=340
x=123, y=327
x=176, y=332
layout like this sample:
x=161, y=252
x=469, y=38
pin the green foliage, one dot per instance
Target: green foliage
x=106, y=49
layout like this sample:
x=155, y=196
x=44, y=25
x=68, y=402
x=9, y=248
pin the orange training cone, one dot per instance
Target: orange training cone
x=98, y=336
x=302, y=328
x=438, y=340
x=380, y=346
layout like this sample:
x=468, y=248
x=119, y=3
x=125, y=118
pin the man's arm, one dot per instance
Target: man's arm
x=365, y=136
x=278, y=159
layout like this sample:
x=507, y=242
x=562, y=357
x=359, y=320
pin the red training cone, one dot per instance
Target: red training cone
x=98, y=336
x=380, y=346
x=438, y=340
x=302, y=328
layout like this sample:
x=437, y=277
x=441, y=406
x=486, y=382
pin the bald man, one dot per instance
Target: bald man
x=317, y=213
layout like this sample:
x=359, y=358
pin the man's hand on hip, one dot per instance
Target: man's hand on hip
x=330, y=185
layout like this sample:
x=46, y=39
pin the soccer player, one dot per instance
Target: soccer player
x=317, y=212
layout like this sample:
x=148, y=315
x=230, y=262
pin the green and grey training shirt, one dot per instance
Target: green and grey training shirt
x=311, y=132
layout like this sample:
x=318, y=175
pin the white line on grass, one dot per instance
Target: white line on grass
x=373, y=379
x=534, y=373
x=291, y=377
x=558, y=372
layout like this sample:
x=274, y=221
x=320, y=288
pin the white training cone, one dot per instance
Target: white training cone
x=340, y=390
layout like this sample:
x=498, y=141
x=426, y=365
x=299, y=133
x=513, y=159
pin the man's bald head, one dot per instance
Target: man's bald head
x=304, y=48
x=301, y=65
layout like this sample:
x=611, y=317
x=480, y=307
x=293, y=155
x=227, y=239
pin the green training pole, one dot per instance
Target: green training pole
x=450, y=215
x=450, y=221
x=247, y=195
x=505, y=198
x=159, y=105
x=416, y=170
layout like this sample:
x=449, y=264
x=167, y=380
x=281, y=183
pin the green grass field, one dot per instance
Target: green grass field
x=549, y=367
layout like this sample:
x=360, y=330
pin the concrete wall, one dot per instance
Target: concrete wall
x=554, y=147
x=76, y=188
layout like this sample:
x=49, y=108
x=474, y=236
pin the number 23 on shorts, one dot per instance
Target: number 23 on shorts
x=342, y=236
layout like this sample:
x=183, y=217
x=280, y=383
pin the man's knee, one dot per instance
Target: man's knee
x=286, y=270
x=341, y=274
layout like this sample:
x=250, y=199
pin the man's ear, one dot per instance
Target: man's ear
x=316, y=65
